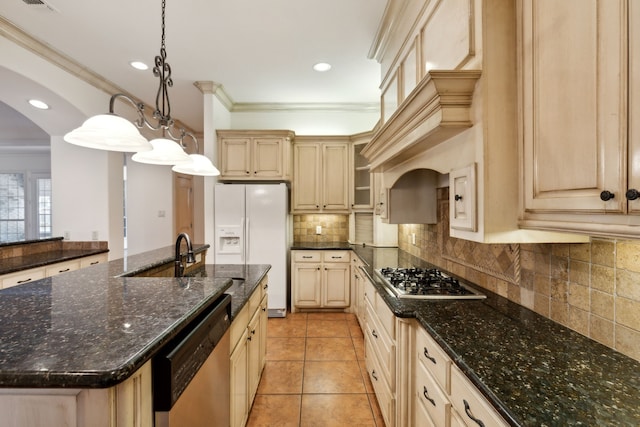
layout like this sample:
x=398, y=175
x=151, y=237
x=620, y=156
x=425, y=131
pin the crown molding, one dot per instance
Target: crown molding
x=245, y=107
x=213, y=88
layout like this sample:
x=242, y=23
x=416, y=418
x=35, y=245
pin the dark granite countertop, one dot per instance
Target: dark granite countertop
x=321, y=246
x=534, y=371
x=93, y=328
x=13, y=264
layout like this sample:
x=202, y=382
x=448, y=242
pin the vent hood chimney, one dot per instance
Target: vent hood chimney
x=413, y=199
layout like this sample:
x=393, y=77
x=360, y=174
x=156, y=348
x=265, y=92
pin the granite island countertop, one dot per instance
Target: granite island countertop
x=93, y=328
x=534, y=371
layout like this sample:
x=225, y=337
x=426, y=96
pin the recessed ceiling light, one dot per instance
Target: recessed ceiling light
x=322, y=66
x=138, y=65
x=41, y=105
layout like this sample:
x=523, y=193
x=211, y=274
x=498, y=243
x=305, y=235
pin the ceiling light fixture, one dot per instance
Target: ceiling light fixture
x=139, y=65
x=114, y=133
x=40, y=105
x=322, y=67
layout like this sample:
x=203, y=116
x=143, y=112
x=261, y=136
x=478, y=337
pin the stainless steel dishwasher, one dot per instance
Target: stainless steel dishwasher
x=191, y=374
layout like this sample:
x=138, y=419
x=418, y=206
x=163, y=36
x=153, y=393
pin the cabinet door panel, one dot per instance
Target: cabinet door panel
x=336, y=285
x=307, y=278
x=335, y=177
x=634, y=102
x=235, y=157
x=574, y=94
x=267, y=157
x=306, y=185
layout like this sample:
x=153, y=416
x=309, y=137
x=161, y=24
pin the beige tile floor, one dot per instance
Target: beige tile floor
x=315, y=374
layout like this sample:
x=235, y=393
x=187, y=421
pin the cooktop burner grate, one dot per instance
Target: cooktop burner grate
x=423, y=283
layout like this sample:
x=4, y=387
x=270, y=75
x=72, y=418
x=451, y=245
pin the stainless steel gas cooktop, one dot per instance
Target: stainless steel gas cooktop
x=423, y=283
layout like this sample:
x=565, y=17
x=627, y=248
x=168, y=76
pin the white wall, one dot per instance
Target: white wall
x=310, y=122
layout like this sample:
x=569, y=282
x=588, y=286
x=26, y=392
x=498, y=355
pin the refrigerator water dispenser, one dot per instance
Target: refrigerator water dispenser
x=230, y=240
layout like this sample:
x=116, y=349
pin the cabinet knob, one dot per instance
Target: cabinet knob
x=632, y=194
x=608, y=195
x=255, y=172
x=248, y=172
x=458, y=197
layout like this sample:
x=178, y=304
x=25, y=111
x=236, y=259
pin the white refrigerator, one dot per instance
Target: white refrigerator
x=251, y=227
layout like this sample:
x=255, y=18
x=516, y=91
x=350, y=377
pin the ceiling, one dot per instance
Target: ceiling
x=260, y=51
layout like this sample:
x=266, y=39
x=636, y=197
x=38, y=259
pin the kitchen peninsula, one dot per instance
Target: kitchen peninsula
x=78, y=346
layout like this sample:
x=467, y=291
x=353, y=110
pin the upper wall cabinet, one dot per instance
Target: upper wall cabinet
x=254, y=155
x=321, y=175
x=580, y=86
x=462, y=111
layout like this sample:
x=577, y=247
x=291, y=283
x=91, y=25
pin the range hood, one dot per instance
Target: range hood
x=412, y=199
x=435, y=111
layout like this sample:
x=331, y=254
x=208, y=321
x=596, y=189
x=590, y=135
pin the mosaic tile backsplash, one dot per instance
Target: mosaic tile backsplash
x=592, y=288
x=335, y=228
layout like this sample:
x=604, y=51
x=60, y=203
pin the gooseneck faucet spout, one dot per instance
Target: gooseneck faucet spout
x=179, y=267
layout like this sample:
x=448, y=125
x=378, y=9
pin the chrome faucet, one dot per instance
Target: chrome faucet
x=179, y=267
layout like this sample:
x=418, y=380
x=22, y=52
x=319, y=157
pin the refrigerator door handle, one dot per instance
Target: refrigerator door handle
x=243, y=243
x=247, y=235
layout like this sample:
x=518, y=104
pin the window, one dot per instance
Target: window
x=12, y=212
x=25, y=206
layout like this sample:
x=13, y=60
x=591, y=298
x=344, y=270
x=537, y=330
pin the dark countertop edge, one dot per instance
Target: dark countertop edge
x=108, y=378
x=236, y=308
x=25, y=242
x=321, y=246
x=57, y=256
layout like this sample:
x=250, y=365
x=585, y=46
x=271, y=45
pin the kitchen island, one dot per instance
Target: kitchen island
x=96, y=328
x=533, y=371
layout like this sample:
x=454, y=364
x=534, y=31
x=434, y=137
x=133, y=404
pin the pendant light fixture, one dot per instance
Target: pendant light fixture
x=114, y=133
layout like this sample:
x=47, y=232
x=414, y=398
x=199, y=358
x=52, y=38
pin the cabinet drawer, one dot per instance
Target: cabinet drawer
x=93, y=260
x=22, y=277
x=386, y=401
x=470, y=404
x=238, y=327
x=254, y=300
x=382, y=345
x=422, y=416
x=62, y=267
x=385, y=315
x=431, y=396
x=307, y=256
x=435, y=360
x=336, y=256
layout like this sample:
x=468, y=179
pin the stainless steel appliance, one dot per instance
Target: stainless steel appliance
x=425, y=283
x=191, y=377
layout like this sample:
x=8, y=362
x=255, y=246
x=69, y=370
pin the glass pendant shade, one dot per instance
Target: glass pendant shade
x=199, y=165
x=108, y=132
x=165, y=152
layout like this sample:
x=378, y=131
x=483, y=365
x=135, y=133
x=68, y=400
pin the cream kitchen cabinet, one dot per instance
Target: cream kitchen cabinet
x=320, y=175
x=248, y=335
x=254, y=155
x=580, y=119
x=358, y=280
x=128, y=404
x=362, y=181
x=442, y=395
x=32, y=274
x=320, y=279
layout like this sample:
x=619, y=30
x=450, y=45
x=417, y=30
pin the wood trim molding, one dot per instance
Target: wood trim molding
x=437, y=109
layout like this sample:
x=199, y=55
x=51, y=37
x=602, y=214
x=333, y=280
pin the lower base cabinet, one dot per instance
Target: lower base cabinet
x=443, y=394
x=320, y=280
x=248, y=335
x=128, y=404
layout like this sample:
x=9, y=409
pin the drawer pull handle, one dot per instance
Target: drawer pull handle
x=24, y=281
x=426, y=396
x=428, y=356
x=467, y=410
x=336, y=257
x=306, y=257
x=373, y=374
x=374, y=333
x=64, y=271
x=266, y=285
x=95, y=262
